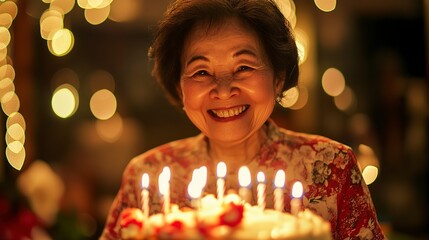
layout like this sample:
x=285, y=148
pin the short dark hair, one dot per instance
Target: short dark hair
x=274, y=31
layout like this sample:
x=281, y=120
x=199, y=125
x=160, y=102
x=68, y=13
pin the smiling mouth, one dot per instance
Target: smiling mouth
x=227, y=113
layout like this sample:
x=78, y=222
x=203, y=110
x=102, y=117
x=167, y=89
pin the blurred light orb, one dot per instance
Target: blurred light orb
x=4, y=37
x=333, y=82
x=16, y=117
x=65, y=101
x=51, y=21
x=6, y=85
x=110, y=130
x=15, y=159
x=370, y=174
x=345, y=101
x=63, y=6
x=62, y=42
x=5, y=20
x=16, y=132
x=289, y=97
x=302, y=45
x=302, y=98
x=326, y=5
x=103, y=104
x=96, y=16
x=10, y=8
x=124, y=10
x=10, y=103
x=7, y=71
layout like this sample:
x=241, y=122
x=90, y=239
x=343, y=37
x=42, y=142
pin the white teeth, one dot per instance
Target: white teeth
x=230, y=112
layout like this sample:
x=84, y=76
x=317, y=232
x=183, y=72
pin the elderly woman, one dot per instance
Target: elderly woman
x=227, y=62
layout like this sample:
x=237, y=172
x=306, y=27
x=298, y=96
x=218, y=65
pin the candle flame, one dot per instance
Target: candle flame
x=164, y=180
x=260, y=177
x=244, y=177
x=194, y=190
x=297, y=189
x=203, y=176
x=279, y=181
x=145, y=180
x=221, y=170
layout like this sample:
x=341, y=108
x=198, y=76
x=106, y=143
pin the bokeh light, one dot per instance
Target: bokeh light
x=10, y=103
x=346, y=101
x=326, y=5
x=333, y=82
x=51, y=21
x=63, y=6
x=10, y=8
x=124, y=10
x=97, y=16
x=4, y=37
x=65, y=101
x=370, y=174
x=110, y=130
x=103, y=104
x=62, y=42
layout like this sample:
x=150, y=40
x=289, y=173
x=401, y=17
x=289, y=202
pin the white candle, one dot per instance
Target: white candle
x=145, y=194
x=244, y=179
x=221, y=173
x=164, y=188
x=295, y=203
x=279, y=183
x=261, y=190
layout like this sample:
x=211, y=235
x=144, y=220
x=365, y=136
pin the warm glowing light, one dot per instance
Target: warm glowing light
x=5, y=20
x=302, y=98
x=6, y=85
x=287, y=7
x=260, y=177
x=103, y=104
x=124, y=10
x=333, y=82
x=145, y=181
x=14, y=118
x=297, y=190
x=64, y=6
x=65, y=101
x=10, y=103
x=97, y=16
x=290, y=97
x=280, y=179
x=346, y=100
x=110, y=130
x=3, y=55
x=15, y=159
x=4, y=37
x=10, y=8
x=302, y=44
x=51, y=21
x=16, y=132
x=221, y=169
x=164, y=181
x=369, y=174
x=244, y=177
x=194, y=190
x=326, y=5
x=62, y=42
x=7, y=71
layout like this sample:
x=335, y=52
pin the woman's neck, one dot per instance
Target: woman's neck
x=237, y=155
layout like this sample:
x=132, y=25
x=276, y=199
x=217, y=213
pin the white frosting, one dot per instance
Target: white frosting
x=256, y=223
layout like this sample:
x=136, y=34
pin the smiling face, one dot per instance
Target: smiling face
x=227, y=84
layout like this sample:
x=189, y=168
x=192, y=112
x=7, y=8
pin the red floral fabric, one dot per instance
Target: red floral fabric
x=333, y=184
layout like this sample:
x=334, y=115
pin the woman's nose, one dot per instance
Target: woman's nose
x=224, y=88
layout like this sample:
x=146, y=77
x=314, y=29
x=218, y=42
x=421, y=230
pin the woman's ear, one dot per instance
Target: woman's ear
x=279, y=82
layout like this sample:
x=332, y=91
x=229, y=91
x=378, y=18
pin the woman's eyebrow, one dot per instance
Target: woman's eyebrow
x=195, y=58
x=245, y=52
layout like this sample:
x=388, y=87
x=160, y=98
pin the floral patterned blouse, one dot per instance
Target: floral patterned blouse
x=333, y=184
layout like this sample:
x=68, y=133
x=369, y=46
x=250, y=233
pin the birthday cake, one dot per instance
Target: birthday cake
x=227, y=219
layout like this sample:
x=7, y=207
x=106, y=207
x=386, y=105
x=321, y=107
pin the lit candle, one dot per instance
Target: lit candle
x=261, y=190
x=295, y=203
x=145, y=194
x=221, y=173
x=279, y=183
x=244, y=179
x=164, y=188
x=197, y=184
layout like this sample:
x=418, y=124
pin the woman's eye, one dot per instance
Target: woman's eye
x=243, y=68
x=201, y=73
